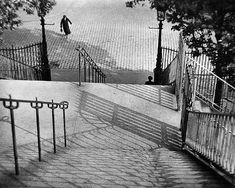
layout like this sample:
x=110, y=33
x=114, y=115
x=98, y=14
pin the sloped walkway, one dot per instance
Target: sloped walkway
x=113, y=140
x=117, y=38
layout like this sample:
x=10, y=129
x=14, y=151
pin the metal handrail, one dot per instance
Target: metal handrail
x=211, y=72
x=206, y=84
x=91, y=71
x=211, y=137
x=23, y=59
x=13, y=104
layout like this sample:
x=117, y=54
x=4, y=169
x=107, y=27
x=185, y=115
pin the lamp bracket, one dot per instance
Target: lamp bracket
x=49, y=24
x=153, y=27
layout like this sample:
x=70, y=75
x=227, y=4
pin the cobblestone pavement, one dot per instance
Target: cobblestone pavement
x=105, y=156
x=109, y=144
x=116, y=37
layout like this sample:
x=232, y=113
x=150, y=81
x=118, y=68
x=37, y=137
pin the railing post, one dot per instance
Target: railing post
x=95, y=74
x=79, y=68
x=53, y=106
x=92, y=73
x=37, y=105
x=84, y=67
x=12, y=107
x=64, y=106
x=89, y=72
x=98, y=72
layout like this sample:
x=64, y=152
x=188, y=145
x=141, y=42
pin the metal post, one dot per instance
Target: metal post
x=14, y=142
x=92, y=73
x=95, y=75
x=84, y=66
x=53, y=106
x=53, y=126
x=65, y=144
x=11, y=107
x=63, y=106
x=79, y=68
x=158, y=69
x=89, y=73
x=37, y=105
x=46, y=68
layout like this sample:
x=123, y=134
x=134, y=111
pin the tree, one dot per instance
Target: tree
x=9, y=10
x=8, y=13
x=42, y=7
x=208, y=27
x=9, y=18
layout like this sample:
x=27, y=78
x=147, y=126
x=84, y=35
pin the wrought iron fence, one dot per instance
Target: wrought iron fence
x=212, y=136
x=91, y=72
x=13, y=104
x=22, y=63
x=168, y=54
x=205, y=88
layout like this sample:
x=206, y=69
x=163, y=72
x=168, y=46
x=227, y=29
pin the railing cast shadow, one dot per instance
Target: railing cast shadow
x=13, y=104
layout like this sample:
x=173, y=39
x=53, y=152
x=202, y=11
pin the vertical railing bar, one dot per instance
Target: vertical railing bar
x=89, y=73
x=53, y=106
x=11, y=107
x=14, y=141
x=84, y=67
x=63, y=106
x=37, y=105
x=53, y=124
x=79, y=68
x=92, y=73
x=65, y=143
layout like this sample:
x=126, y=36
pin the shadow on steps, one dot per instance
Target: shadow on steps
x=113, y=115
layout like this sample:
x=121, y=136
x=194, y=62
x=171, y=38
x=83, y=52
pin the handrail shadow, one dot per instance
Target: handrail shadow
x=132, y=121
x=149, y=93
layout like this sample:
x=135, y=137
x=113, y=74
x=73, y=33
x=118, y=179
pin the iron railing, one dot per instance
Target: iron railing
x=13, y=104
x=91, y=72
x=206, y=82
x=168, y=54
x=205, y=79
x=212, y=136
x=22, y=63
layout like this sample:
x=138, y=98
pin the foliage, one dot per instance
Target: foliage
x=9, y=10
x=42, y=7
x=8, y=13
x=208, y=27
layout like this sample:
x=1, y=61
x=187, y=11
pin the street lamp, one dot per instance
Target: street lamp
x=161, y=11
x=46, y=73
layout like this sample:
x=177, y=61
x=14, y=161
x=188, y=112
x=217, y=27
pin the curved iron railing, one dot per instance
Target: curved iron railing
x=21, y=63
x=13, y=104
x=91, y=72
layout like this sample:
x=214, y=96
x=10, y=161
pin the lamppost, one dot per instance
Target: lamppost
x=161, y=10
x=46, y=72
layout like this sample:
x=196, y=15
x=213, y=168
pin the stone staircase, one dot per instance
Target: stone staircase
x=119, y=135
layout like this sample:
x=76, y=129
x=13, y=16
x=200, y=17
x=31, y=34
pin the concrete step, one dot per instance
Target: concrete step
x=119, y=135
x=138, y=163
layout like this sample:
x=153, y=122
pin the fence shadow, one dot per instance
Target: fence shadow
x=115, y=147
x=152, y=94
x=129, y=120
